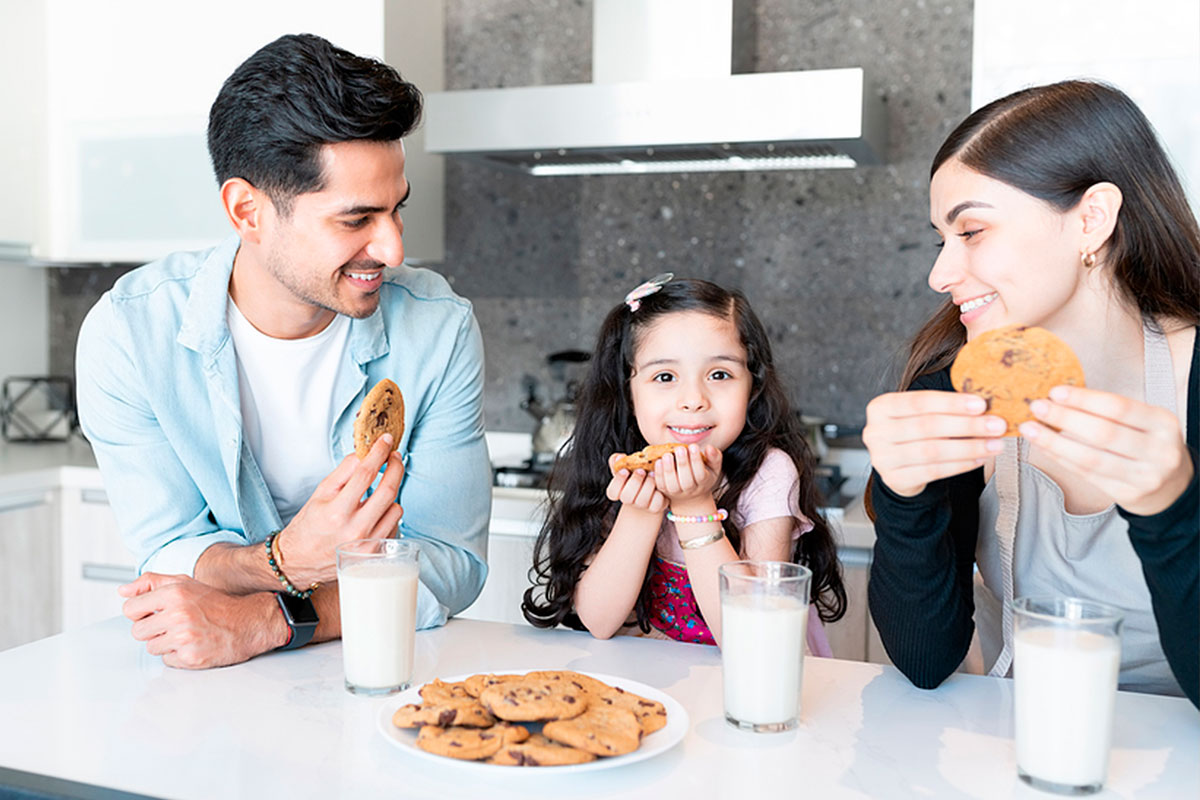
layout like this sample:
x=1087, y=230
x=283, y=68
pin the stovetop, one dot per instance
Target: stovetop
x=531, y=475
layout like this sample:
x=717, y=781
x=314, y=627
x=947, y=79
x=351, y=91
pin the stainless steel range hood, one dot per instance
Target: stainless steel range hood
x=663, y=100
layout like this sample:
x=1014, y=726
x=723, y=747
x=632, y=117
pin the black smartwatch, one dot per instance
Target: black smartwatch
x=301, y=617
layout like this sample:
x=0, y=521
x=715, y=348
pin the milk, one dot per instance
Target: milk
x=762, y=657
x=379, y=611
x=1065, y=687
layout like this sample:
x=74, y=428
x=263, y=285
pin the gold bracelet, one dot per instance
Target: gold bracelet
x=702, y=541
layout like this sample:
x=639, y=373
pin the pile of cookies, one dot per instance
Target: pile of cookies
x=581, y=718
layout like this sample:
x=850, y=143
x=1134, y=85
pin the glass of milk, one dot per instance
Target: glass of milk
x=764, y=616
x=1066, y=656
x=377, y=589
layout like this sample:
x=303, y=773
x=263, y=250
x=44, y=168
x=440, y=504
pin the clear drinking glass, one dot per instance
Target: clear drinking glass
x=764, y=618
x=1066, y=657
x=377, y=589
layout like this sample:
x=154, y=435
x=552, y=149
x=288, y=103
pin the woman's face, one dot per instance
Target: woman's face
x=1006, y=257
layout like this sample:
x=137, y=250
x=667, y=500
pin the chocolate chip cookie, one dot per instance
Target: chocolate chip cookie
x=1011, y=367
x=382, y=412
x=530, y=700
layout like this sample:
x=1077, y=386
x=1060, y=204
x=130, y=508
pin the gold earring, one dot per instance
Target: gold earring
x=1088, y=259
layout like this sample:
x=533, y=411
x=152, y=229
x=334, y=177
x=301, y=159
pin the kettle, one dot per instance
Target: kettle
x=556, y=422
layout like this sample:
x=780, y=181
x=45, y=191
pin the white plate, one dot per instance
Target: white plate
x=660, y=741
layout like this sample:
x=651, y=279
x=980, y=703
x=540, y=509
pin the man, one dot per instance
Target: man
x=219, y=388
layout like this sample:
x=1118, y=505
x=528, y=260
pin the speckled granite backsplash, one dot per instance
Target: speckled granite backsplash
x=833, y=261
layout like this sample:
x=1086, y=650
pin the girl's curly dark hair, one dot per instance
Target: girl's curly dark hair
x=580, y=516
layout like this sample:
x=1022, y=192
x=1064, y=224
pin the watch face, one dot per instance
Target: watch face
x=301, y=611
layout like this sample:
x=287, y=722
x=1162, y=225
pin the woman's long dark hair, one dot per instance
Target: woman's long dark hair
x=580, y=515
x=1054, y=143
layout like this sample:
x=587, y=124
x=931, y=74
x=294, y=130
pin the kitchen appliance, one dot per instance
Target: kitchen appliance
x=663, y=99
x=556, y=422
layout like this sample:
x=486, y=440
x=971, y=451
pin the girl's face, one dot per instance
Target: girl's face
x=690, y=383
x=1007, y=257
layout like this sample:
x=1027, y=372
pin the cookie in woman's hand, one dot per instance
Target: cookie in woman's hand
x=382, y=412
x=1011, y=367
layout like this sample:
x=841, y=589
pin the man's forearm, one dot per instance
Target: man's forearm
x=237, y=569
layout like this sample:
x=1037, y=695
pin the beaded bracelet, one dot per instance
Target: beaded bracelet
x=701, y=541
x=720, y=516
x=269, y=546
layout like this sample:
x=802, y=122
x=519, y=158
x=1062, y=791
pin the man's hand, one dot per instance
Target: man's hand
x=194, y=626
x=337, y=513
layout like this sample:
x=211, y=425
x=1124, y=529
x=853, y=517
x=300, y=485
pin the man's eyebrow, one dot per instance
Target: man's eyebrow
x=963, y=206
x=355, y=211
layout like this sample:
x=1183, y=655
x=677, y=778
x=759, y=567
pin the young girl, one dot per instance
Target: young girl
x=683, y=362
x=1056, y=207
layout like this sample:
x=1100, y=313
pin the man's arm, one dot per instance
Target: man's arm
x=446, y=492
x=164, y=518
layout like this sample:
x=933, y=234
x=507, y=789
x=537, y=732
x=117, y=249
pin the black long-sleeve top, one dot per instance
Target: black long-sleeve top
x=920, y=592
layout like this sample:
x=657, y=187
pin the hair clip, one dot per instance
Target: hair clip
x=634, y=298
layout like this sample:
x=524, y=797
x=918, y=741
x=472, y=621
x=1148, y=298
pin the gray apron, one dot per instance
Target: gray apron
x=1029, y=544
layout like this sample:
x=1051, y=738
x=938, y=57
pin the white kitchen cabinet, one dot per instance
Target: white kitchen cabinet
x=106, y=105
x=94, y=559
x=30, y=606
x=516, y=519
x=509, y=559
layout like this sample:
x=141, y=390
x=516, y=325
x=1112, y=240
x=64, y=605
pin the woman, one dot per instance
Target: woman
x=1057, y=207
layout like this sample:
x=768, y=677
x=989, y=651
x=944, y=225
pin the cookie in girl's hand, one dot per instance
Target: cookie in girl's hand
x=645, y=458
x=382, y=412
x=1011, y=367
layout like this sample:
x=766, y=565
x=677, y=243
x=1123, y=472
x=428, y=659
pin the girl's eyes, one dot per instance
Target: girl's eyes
x=720, y=375
x=663, y=377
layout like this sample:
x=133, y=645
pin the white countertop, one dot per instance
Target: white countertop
x=91, y=706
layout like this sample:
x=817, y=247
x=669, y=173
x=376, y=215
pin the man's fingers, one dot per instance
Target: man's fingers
x=388, y=523
x=366, y=470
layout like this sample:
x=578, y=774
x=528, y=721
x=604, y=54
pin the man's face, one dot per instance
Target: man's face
x=330, y=252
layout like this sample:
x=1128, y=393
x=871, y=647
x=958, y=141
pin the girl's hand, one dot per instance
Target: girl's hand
x=634, y=489
x=684, y=474
x=922, y=436
x=1133, y=452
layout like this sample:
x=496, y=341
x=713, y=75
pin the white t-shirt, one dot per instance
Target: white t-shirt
x=286, y=390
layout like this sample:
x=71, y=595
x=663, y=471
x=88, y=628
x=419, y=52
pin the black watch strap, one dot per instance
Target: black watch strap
x=301, y=617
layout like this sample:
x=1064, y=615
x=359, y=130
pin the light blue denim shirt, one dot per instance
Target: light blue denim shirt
x=158, y=400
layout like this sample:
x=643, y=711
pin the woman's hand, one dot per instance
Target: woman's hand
x=688, y=474
x=922, y=436
x=1133, y=452
x=634, y=489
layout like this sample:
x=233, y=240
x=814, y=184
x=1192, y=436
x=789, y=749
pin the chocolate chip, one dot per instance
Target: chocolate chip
x=446, y=718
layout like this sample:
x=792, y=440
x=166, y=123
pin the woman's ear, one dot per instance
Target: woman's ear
x=1098, y=209
x=244, y=206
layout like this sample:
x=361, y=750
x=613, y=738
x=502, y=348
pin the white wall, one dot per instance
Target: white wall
x=1150, y=49
x=24, y=341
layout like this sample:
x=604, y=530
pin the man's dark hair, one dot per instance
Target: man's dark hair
x=296, y=94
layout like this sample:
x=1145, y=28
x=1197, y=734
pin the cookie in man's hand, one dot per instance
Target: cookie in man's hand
x=382, y=412
x=1011, y=367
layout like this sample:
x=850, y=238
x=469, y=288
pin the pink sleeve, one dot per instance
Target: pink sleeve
x=818, y=643
x=773, y=492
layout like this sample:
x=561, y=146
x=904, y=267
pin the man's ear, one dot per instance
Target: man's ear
x=1098, y=210
x=246, y=208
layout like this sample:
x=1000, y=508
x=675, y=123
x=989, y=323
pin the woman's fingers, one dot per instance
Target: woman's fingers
x=1132, y=451
x=895, y=405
